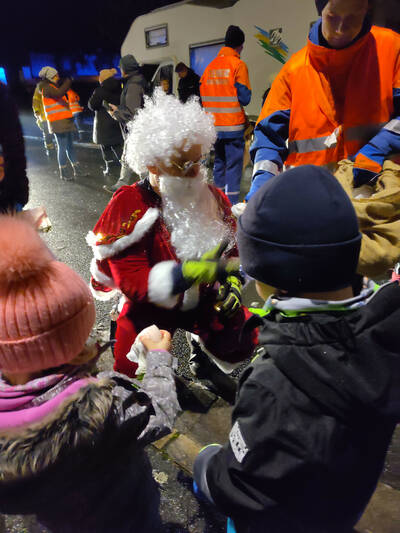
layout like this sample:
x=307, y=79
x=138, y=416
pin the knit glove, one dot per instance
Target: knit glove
x=229, y=298
x=208, y=269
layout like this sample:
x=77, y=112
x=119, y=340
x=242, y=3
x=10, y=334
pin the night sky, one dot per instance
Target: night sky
x=69, y=26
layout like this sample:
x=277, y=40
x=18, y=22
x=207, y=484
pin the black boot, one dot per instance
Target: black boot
x=204, y=369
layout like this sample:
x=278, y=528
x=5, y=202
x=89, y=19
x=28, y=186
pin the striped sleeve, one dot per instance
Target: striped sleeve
x=242, y=84
x=269, y=149
x=370, y=158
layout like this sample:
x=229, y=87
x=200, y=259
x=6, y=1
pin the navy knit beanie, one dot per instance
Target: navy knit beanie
x=299, y=232
x=234, y=37
x=320, y=5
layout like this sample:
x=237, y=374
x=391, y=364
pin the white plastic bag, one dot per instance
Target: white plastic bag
x=138, y=352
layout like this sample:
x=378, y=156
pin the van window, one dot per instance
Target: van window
x=202, y=55
x=156, y=36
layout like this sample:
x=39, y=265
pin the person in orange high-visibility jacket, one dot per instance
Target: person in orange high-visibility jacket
x=337, y=98
x=59, y=118
x=225, y=89
x=76, y=110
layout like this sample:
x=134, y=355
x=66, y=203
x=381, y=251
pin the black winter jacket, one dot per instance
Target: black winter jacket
x=312, y=423
x=131, y=99
x=189, y=86
x=14, y=185
x=84, y=469
x=106, y=130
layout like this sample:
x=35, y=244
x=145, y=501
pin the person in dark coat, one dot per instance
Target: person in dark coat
x=189, y=82
x=72, y=444
x=14, y=185
x=106, y=131
x=317, y=407
x=132, y=96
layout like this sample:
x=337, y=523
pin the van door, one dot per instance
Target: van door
x=165, y=76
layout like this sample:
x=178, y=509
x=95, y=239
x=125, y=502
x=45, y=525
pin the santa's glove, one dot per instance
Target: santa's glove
x=229, y=298
x=211, y=267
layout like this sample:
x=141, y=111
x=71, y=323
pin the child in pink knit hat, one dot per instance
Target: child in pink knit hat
x=71, y=444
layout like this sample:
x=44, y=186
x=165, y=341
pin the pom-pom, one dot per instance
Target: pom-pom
x=165, y=125
x=23, y=254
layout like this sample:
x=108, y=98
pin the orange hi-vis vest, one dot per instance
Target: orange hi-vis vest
x=73, y=99
x=338, y=99
x=56, y=108
x=219, y=94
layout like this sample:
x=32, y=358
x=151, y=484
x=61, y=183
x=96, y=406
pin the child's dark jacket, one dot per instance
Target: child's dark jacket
x=312, y=422
x=84, y=468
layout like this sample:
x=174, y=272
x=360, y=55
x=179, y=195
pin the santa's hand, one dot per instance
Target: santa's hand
x=209, y=269
x=229, y=298
x=164, y=343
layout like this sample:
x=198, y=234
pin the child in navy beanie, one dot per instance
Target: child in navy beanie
x=316, y=409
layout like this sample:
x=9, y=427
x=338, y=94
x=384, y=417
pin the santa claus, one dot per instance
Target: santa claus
x=159, y=241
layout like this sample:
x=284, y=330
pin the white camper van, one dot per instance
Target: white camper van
x=193, y=31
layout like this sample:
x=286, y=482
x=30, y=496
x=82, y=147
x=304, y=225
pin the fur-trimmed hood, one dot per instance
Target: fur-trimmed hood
x=83, y=468
x=30, y=450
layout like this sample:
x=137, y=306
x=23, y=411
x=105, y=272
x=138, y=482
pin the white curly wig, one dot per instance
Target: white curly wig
x=165, y=125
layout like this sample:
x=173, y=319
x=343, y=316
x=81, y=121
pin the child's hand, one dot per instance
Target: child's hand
x=163, y=344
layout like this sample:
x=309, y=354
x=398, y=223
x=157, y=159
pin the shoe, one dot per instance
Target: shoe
x=113, y=188
x=64, y=175
x=79, y=171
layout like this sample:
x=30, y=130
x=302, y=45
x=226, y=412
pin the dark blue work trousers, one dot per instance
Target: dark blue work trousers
x=228, y=165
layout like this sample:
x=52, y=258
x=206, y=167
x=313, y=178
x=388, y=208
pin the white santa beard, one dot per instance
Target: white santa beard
x=192, y=215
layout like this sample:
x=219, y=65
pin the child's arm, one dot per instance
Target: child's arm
x=159, y=384
x=149, y=406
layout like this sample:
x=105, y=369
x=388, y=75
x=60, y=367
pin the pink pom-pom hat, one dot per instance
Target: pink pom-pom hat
x=46, y=309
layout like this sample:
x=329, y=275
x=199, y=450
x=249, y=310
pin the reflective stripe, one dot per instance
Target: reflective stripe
x=308, y=145
x=223, y=109
x=356, y=133
x=393, y=125
x=268, y=166
x=219, y=99
x=213, y=81
x=219, y=73
x=230, y=128
x=62, y=110
x=49, y=106
x=362, y=133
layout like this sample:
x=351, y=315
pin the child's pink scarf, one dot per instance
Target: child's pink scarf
x=26, y=404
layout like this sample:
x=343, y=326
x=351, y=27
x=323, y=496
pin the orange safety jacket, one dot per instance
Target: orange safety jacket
x=220, y=86
x=56, y=108
x=73, y=99
x=320, y=131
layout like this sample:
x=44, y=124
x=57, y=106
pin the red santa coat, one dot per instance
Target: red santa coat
x=133, y=255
